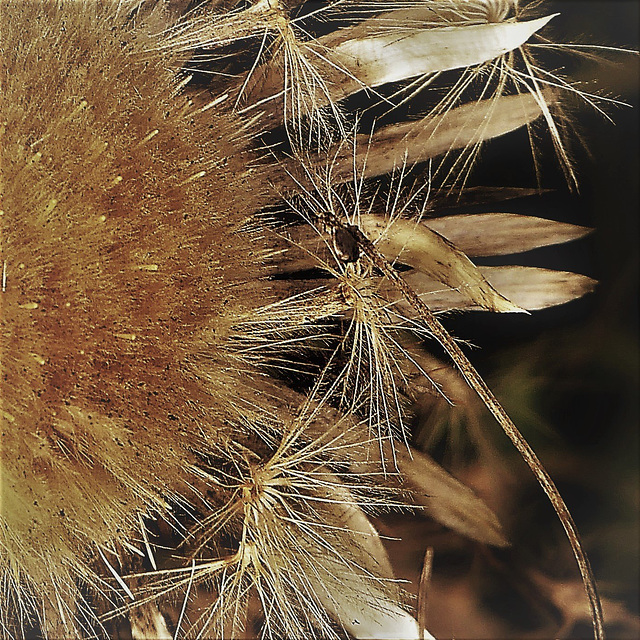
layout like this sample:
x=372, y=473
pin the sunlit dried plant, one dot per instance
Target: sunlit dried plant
x=213, y=313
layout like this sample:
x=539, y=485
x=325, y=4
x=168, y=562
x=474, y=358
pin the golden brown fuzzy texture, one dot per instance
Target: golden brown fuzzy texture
x=125, y=259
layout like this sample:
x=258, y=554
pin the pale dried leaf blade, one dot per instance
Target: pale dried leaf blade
x=531, y=288
x=397, y=54
x=566, y=595
x=440, y=496
x=494, y=234
x=448, y=501
x=430, y=253
x=349, y=515
x=365, y=612
x=409, y=143
x=362, y=600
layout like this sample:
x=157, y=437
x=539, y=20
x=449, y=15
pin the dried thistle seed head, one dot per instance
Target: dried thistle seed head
x=145, y=353
x=126, y=264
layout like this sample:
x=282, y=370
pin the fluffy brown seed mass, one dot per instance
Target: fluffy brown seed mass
x=122, y=212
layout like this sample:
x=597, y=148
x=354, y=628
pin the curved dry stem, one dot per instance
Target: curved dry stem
x=475, y=381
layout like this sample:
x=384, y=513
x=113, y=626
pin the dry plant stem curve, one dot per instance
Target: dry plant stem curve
x=476, y=382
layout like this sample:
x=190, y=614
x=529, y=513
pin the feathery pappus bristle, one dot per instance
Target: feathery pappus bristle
x=212, y=314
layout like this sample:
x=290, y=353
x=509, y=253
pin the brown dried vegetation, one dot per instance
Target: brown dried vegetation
x=211, y=343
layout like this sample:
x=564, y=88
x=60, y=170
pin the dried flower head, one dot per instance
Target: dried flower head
x=212, y=312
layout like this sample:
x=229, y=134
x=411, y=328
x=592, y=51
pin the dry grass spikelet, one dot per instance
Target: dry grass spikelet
x=210, y=312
